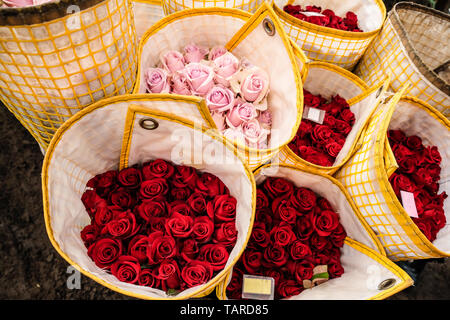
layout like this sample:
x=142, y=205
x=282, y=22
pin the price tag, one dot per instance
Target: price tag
x=409, y=204
x=258, y=288
x=314, y=114
x=312, y=14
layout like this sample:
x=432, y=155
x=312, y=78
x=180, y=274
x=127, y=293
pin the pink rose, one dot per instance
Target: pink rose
x=199, y=77
x=180, y=84
x=253, y=133
x=172, y=61
x=156, y=80
x=18, y=3
x=242, y=112
x=225, y=67
x=194, y=53
x=216, y=52
x=255, y=86
x=265, y=119
x=219, y=120
x=219, y=99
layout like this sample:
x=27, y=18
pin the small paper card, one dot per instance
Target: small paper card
x=314, y=114
x=312, y=14
x=408, y=203
x=258, y=288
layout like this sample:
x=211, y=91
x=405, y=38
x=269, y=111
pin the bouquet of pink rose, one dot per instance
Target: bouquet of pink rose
x=235, y=90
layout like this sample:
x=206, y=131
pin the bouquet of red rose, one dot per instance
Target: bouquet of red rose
x=162, y=225
x=419, y=173
x=295, y=231
x=320, y=143
x=327, y=18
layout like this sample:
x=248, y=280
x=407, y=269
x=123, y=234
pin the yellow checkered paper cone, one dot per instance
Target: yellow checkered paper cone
x=171, y=6
x=240, y=33
x=57, y=58
x=327, y=80
x=365, y=176
x=413, y=48
x=146, y=13
x=343, y=48
x=361, y=255
x=114, y=133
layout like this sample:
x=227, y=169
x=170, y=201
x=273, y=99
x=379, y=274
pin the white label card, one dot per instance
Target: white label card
x=314, y=114
x=409, y=204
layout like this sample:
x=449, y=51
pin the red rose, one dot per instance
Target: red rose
x=157, y=169
x=325, y=222
x=157, y=224
x=252, y=260
x=202, y=229
x=335, y=269
x=92, y=201
x=102, y=183
x=276, y=275
x=264, y=216
x=284, y=211
x=138, y=247
x=105, y=251
x=304, y=129
x=317, y=242
x=179, y=226
x=153, y=188
x=396, y=136
x=180, y=193
x=321, y=133
x=299, y=250
x=190, y=250
x=179, y=207
x=226, y=234
x=211, y=185
x=324, y=204
x=122, y=198
x=425, y=226
x=259, y=235
x=338, y=236
x=414, y=143
x=275, y=255
x=400, y=151
x=106, y=214
x=311, y=100
x=126, y=269
x=185, y=176
x=197, y=203
x=261, y=200
x=304, y=228
x=315, y=156
x=234, y=288
x=215, y=254
x=348, y=116
x=302, y=270
x=329, y=120
x=169, y=274
x=222, y=208
x=161, y=247
x=303, y=199
x=130, y=178
x=432, y=155
x=148, y=279
x=434, y=170
x=422, y=177
x=195, y=273
x=149, y=208
x=333, y=148
x=122, y=226
x=401, y=182
x=282, y=235
x=288, y=288
x=351, y=20
x=277, y=187
x=89, y=234
x=342, y=127
x=407, y=165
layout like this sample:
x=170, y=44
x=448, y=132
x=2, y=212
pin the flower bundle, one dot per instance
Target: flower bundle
x=295, y=231
x=162, y=225
x=326, y=18
x=235, y=90
x=419, y=173
x=321, y=143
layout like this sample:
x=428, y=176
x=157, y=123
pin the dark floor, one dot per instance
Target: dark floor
x=30, y=268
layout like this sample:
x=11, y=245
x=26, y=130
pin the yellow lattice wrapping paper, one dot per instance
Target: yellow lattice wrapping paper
x=171, y=6
x=240, y=32
x=365, y=176
x=343, y=48
x=362, y=255
x=146, y=13
x=113, y=134
x=328, y=80
x=413, y=48
x=57, y=58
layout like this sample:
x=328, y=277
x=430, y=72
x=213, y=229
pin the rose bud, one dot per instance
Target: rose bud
x=199, y=77
x=219, y=99
x=225, y=67
x=156, y=80
x=194, y=53
x=216, y=52
x=172, y=61
x=241, y=113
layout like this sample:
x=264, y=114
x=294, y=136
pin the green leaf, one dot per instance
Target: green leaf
x=323, y=275
x=172, y=292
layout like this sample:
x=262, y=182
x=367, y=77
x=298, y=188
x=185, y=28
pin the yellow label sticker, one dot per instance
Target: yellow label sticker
x=258, y=286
